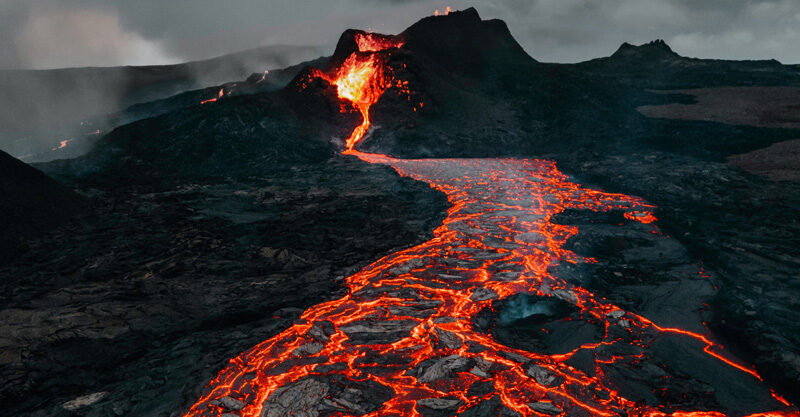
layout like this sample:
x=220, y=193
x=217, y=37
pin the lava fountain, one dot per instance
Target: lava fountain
x=363, y=78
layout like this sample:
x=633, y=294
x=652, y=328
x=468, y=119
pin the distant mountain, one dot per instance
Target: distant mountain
x=655, y=50
x=39, y=108
x=30, y=203
x=656, y=65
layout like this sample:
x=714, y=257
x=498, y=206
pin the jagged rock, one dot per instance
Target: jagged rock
x=566, y=296
x=437, y=407
x=479, y=372
x=545, y=407
x=483, y=364
x=300, y=399
x=322, y=331
x=483, y=294
x=232, y=403
x=353, y=397
x=439, y=403
x=407, y=266
x=616, y=314
x=448, y=339
x=368, y=332
x=515, y=357
x=543, y=375
x=84, y=401
x=311, y=348
x=438, y=368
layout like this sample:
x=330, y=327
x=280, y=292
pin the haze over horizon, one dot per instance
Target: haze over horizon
x=40, y=34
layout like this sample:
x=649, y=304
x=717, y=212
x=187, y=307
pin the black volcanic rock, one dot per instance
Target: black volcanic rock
x=657, y=49
x=461, y=41
x=656, y=65
x=30, y=203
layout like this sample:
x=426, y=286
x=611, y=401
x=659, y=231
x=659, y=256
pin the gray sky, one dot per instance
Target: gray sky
x=64, y=33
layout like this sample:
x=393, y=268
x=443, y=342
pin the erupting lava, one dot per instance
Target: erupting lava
x=362, y=78
x=361, y=82
x=405, y=340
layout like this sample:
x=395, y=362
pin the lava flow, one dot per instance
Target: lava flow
x=406, y=332
x=405, y=340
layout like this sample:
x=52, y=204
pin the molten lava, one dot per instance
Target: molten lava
x=362, y=82
x=62, y=144
x=362, y=78
x=211, y=100
x=447, y=11
x=372, y=42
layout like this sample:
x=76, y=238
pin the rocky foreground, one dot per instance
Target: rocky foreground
x=140, y=301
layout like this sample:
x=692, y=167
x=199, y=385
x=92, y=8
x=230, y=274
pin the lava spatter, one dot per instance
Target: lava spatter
x=407, y=325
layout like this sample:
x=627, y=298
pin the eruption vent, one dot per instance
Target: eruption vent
x=363, y=77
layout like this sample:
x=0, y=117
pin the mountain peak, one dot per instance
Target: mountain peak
x=461, y=39
x=657, y=49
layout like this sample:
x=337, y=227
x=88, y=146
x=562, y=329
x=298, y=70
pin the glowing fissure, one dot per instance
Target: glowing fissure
x=496, y=241
x=211, y=100
x=63, y=144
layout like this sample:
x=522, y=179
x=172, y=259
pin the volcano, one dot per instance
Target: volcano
x=431, y=223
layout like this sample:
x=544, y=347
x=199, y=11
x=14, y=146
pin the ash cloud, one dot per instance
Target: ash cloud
x=48, y=36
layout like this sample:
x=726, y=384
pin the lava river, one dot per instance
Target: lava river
x=404, y=342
